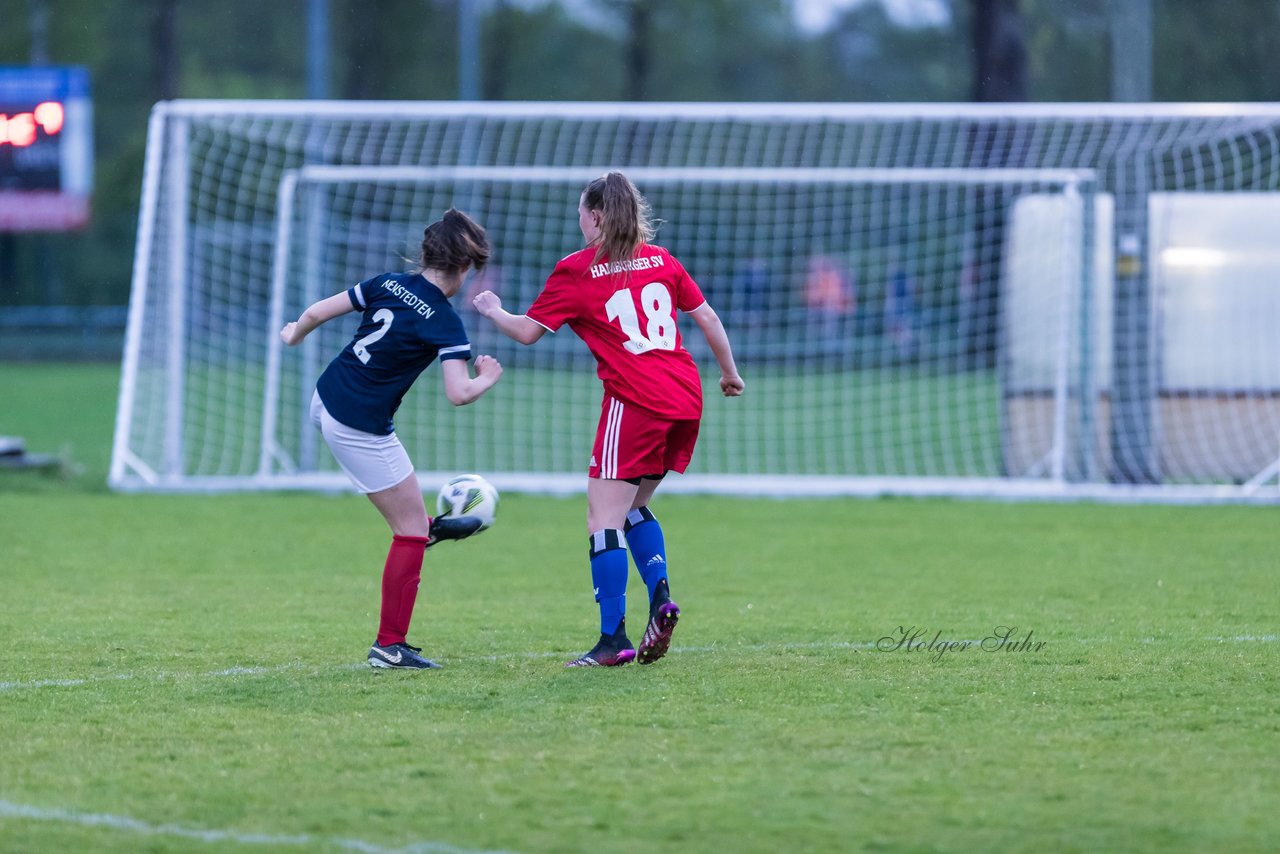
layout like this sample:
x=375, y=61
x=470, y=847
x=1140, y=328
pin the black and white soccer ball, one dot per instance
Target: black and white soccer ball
x=468, y=495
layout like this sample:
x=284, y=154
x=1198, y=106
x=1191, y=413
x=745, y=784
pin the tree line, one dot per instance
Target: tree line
x=139, y=52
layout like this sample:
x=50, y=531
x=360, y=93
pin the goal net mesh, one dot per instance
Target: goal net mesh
x=935, y=299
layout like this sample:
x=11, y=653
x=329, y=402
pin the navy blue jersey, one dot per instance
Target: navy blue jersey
x=407, y=323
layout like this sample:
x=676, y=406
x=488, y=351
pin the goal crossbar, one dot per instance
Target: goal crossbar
x=649, y=174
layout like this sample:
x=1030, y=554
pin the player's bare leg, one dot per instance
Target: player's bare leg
x=403, y=508
x=608, y=502
x=644, y=492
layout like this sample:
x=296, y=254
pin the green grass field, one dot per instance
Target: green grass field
x=183, y=673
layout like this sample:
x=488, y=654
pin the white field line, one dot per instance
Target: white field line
x=127, y=824
x=162, y=676
x=518, y=656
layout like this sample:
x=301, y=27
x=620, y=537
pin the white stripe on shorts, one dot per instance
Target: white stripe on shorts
x=612, y=431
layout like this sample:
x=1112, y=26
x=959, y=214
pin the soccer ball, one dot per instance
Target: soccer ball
x=468, y=495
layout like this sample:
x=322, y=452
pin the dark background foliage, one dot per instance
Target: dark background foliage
x=142, y=51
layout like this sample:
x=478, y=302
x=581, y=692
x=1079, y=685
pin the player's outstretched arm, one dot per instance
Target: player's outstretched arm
x=315, y=314
x=460, y=387
x=517, y=327
x=709, y=322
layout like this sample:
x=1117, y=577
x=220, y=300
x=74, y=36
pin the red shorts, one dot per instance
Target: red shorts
x=632, y=443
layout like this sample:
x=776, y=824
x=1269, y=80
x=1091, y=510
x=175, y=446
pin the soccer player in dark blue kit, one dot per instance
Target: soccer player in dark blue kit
x=407, y=324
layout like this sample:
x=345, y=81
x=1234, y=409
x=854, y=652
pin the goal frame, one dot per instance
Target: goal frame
x=166, y=162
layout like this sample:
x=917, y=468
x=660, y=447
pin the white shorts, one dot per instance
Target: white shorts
x=373, y=462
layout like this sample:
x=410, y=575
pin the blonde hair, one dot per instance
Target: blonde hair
x=625, y=216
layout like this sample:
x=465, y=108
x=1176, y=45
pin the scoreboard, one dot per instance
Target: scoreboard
x=46, y=148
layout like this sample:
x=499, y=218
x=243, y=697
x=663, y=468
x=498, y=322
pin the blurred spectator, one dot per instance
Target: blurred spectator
x=829, y=298
x=900, y=308
x=750, y=291
x=967, y=298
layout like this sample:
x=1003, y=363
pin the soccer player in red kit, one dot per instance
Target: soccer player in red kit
x=620, y=295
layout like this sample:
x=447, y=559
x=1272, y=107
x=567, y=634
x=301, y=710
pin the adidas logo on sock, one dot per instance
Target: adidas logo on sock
x=655, y=559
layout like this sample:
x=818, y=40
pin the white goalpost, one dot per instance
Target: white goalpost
x=1014, y=301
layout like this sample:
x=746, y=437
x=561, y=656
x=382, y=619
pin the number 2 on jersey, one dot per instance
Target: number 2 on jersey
x=361, y=347
x=655, y=299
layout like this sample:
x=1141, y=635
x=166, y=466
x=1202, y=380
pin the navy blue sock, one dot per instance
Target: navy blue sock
x=648, y=549
x=609, y=575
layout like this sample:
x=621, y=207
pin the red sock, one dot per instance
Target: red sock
x=400, y=579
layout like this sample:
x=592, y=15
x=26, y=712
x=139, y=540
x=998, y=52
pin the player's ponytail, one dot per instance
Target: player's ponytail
x=625, y=216
x=455, y=242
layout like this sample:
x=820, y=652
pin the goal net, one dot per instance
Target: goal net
x=1007, y=301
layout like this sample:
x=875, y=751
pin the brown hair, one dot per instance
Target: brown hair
x=455, y=242
x=625, y=216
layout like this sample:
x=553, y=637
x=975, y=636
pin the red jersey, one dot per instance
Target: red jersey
x=626, y=314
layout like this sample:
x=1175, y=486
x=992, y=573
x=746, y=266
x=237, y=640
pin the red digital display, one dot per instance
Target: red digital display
x=46, y=148
x=21, y=129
